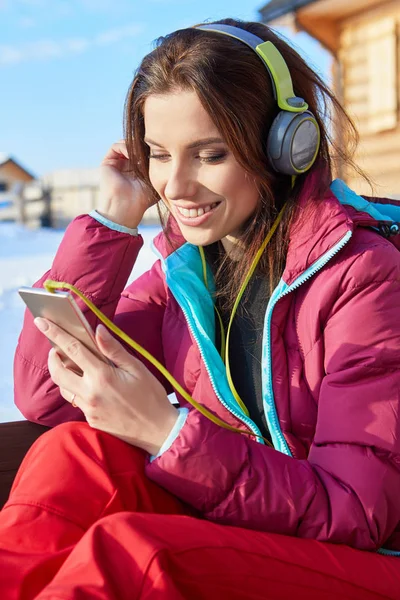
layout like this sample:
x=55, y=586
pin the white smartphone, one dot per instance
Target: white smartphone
x=61, y=308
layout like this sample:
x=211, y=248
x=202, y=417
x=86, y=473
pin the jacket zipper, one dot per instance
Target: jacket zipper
x=239, y=415
x=273, y=422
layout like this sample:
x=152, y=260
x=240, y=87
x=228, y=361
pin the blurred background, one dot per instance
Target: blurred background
x=65, y=67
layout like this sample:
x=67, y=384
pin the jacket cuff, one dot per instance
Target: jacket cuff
x=111, y=225
x=181, y=420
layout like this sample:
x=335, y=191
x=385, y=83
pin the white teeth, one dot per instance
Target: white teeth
x=196, y=212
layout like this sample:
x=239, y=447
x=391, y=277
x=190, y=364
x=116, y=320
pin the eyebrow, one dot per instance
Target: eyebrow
x=196, y=144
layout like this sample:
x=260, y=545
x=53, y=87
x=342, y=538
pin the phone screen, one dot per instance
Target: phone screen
x=61, y=309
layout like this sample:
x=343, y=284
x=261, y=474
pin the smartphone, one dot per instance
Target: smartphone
x=61, y=308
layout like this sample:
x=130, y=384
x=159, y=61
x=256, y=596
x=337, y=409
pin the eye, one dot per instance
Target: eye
x=206, y=159
x=158, y=156
x=214, y=158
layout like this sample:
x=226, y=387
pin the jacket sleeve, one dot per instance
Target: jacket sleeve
x=348, y=489
x=98, y=261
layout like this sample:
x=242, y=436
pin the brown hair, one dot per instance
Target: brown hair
x=234, y=87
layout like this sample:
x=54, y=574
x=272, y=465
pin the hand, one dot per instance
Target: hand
x=122, y=197
x=125, y=399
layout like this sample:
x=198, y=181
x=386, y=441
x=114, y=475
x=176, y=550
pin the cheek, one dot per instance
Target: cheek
x=158, y=184
x=158, y=175
x=253, y=197
x=154, y=179
x=245, y=193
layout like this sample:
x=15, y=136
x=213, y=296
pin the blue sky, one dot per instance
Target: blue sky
x=66, y=65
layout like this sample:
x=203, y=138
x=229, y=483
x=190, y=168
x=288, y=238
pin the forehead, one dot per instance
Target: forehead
x=175, y=116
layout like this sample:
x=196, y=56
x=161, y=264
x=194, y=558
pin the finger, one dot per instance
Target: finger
x=123, y=165
x=70, y=397
x=117, y=151
x=70, y=346
x=63, y=377
x=120, y=144
x=114, y=350
x=118, y=162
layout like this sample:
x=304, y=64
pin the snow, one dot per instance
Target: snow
x=24, y=256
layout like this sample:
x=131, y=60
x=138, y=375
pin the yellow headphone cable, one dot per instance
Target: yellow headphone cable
x=51, y=286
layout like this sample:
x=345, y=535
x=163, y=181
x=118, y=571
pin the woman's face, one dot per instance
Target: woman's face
x=193, y=171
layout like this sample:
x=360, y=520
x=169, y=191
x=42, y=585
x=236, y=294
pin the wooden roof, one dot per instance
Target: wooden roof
x=320, y=18
x=278, y=8
x=6, y=159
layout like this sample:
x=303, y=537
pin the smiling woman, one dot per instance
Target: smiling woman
x=193, y=171
x=272, y=310
x=233, y=98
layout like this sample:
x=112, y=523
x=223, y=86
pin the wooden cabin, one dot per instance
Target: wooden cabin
x=13, y=178
x=363, y=38
x=22, y=197
x=11, y=172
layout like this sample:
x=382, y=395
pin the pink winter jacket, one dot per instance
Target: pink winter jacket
x=330, y=373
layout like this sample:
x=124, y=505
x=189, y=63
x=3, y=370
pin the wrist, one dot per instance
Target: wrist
x=112, y=224
x=172, y=435
x=118, y=219
x=164, y=432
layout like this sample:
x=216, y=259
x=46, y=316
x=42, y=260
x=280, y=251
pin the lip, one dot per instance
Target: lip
x=195, y=221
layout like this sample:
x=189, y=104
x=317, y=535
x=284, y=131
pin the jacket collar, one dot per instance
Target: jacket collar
x=320, y=224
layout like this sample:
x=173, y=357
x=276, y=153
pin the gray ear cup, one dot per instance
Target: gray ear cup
x=293, y=142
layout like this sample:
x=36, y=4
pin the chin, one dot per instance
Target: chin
x=200, y=238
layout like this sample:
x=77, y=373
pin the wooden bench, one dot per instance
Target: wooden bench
x=15, y=440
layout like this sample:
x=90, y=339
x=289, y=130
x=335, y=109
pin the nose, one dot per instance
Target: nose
x=181, y=182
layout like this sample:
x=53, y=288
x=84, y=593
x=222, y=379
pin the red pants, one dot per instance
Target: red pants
x=78, y=526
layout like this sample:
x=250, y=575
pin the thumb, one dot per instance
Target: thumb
x=113, y=349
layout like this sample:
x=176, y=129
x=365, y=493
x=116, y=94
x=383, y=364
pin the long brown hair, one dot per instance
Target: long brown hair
x=234, y=87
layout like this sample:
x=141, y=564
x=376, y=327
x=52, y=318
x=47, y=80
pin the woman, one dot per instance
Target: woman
x=172, y=504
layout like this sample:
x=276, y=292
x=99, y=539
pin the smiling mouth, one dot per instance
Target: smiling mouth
x=192, y=213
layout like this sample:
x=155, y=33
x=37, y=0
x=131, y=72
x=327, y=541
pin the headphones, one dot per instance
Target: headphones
x=294, y=137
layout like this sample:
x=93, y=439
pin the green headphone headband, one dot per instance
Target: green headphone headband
x=294, y=134
x=276, y=66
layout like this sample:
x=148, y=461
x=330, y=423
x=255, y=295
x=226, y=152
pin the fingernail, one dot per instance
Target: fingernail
x=103, y=332
x=41, y=324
